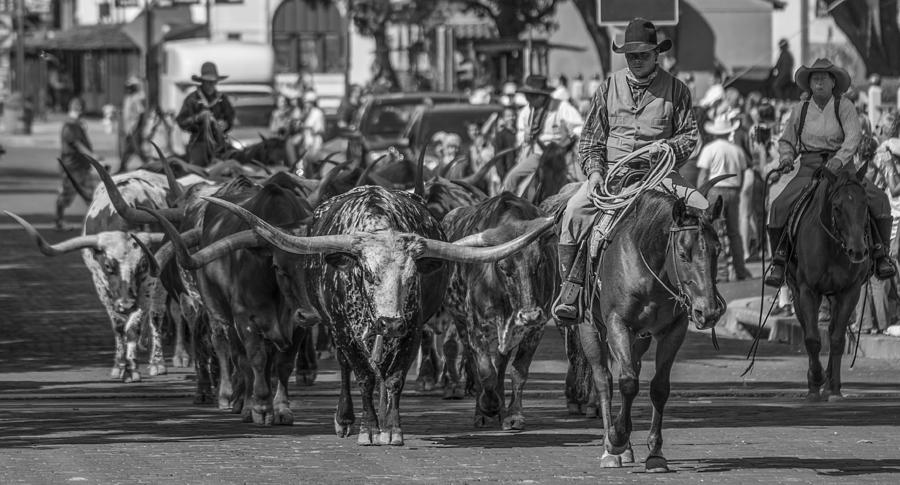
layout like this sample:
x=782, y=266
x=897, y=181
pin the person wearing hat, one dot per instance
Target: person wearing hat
x=543, y=120
x=312, y=125
x=637, y=107
x=206, y=106
x=780, y=74
x=722, y=157
x=131, y=126
x=823, y=130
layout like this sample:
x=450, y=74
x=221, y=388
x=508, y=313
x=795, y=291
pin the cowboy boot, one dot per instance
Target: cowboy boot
x=565, y=307
x=775, y=278
x=884, y=267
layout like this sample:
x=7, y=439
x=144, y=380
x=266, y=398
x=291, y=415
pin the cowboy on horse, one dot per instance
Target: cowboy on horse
x=638, y=108
x=207, y=115
x=823, y=132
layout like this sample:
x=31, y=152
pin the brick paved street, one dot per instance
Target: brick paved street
x=62, y=420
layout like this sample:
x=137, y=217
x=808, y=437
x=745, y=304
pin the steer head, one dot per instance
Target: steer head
x=115, y=258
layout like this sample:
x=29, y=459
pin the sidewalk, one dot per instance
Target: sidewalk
x=45, y=134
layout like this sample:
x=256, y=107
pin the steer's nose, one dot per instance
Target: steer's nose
x=124, y=305
x=529, y=315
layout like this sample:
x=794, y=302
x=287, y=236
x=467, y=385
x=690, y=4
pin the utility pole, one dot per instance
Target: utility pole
x=209, y=14
x=804, y=31
x=148, y=53
x=20, y=46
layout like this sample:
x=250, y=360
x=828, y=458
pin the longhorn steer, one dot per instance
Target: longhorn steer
x=376, y=276
x=120, y=269
x=500, y=309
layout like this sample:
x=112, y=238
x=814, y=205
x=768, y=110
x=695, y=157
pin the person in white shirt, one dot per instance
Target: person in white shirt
x=722, y=157
x=313, y=124
x=544, y=120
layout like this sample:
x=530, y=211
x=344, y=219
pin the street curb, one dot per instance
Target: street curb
x=742, y=318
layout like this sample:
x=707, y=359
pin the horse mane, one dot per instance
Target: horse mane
x=650, y=217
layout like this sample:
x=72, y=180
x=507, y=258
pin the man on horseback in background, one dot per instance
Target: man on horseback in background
x=823, y=130
x=207, y=115
x=544, y=120
x=637, y=107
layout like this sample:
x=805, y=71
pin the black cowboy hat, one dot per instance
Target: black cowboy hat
x=841, y=77
x=640, y=36
x=536, y=84
x=208, y=72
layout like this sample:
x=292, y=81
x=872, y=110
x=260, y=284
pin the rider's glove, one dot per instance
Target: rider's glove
x=834, y=165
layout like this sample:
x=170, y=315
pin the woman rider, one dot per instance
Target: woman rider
x=823, y=130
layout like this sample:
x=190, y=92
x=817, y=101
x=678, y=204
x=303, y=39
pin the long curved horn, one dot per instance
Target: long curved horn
x=331, y=155
x=48, y=249
x=483, y=170
x=216, y=250
x=155, y=238
x=467, y=254
x=86, y=197
x=259, y=165
x=315, y=198
x=165, y=253
x=174, y=187
x=365, y=173
x=704, y=189
x=287, y=242
x=420, y=173
x=127, y=212
x=446, y=168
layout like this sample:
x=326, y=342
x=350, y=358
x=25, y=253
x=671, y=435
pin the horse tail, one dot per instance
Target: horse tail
x=580, y=378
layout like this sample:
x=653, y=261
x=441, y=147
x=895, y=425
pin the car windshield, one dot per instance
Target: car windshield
x=451, y=122
x=252, y=109
x=388, y=119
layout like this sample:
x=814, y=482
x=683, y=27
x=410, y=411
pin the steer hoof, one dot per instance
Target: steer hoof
x=203, y=398
x=425, y=384
x=391, y=438
x=262, y=415
x=342, y=430
x=366, y=437
x=117, y=372
x=453, y=391
x=573, y=408
x=246, y=415
x=157, y=370
x=181, y=360
x=813, y=396
x=305, y=377
x=628, y=455
x=482, y=421
x=591, y=411
x=515, y=422
x=131, y=376
x=610, y=461
x=656, y=464
x=283, y=416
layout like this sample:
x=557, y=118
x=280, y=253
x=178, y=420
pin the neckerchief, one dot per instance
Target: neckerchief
x=638, y=86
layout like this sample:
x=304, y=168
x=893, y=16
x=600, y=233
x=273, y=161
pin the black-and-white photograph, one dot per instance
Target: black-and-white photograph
x=449, y=241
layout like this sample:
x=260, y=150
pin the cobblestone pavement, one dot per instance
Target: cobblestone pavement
x=63, y=420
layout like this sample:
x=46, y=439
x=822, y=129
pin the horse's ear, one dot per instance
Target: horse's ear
x=679, y=211
x=861, y=173
x=716, y=211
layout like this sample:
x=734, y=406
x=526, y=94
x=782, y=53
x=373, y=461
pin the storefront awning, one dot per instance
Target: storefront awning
x=103, y=37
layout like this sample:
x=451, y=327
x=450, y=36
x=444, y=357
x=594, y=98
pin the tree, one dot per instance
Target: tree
x=372, y=18
x=600, y=36
x=872, y=28
x=512, y=17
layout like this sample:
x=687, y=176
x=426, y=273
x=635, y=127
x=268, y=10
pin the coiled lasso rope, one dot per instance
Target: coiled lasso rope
x=651, y=177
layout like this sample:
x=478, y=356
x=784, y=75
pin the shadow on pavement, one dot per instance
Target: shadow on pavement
x=827, y=467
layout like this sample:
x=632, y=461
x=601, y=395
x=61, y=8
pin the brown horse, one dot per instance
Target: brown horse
x=831, y=259
x=657, y=274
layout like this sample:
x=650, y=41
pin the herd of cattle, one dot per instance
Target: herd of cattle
x=251, y=266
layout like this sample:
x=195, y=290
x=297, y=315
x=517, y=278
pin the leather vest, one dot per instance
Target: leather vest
x=634, y=126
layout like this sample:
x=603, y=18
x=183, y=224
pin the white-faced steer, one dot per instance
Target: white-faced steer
x=120, y=268
x=376, y=272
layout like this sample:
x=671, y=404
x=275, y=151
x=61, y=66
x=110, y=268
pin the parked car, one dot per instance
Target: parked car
x=448, y=118
x=380, y=121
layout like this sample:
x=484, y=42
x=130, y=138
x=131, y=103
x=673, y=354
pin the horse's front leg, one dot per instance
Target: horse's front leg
x=840, y=317
x=806, y=304
x=595, y=352
x=667, y=346
x=621, y=342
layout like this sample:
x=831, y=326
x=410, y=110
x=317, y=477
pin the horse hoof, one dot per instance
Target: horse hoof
x=158, y=370
x=628, y=456
x=813, y=397
x=131, y=376
x=203, y=398
x=835, y=397
x=305, y=378
x=574, y=408
x=284, y=416
x=246, y=415
x=482, y=421
x=262, y=416
x=656, y=464
x=591, y=411
x=452, y=392
x=426, y=385
x=366, y=438
x=117, y=372
x=610, y=461
x=516, y=422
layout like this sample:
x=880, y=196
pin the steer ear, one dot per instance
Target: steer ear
x=679, y=211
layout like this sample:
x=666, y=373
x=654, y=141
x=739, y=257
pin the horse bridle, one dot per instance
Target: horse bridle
x=833, y=226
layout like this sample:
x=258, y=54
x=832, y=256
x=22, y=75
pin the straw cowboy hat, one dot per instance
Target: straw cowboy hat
x=721, y=126
x=841, y=77
x=536, y=84
x=208, y=72
x=310, y=97
x=640, y=36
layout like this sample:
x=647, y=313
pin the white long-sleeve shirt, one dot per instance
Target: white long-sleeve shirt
x=562, y=121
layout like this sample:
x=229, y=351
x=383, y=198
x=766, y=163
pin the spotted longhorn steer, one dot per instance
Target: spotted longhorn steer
x=376, y=275
x=248, y=296
x=119, y=267
x=500, y=309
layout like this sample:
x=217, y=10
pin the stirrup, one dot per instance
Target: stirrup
x=775, y=278
x=566, y=315
x=884, y=269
